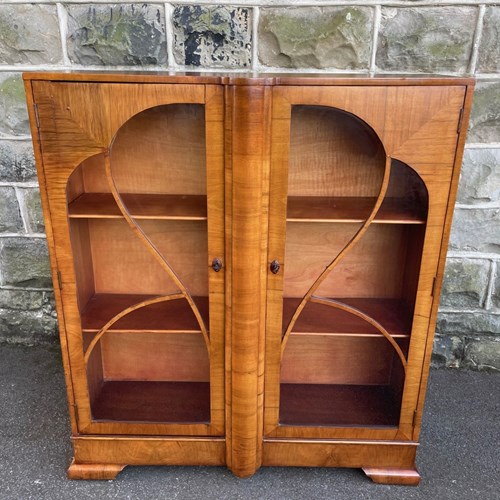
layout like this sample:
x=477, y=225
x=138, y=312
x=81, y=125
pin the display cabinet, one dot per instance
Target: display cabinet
x=247, y=269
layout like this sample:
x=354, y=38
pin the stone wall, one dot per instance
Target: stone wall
x=401, y=36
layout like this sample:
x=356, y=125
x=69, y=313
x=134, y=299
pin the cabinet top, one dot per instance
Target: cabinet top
x=307, y=79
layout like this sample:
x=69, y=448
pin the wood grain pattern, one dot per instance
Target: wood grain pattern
x=103, y=472
x=154, y=251
x=250, y=119
x=140, y=401
x=323, y=453
x=140, y=206
x=406, y=477
x=389, y=107
x=159, y=357
x=49, y=231
x=170, y=316
x=302, y=79
x=352, y=209
x=426, y=355
x=366, y=318
x=248, y=169
x=69, y=140
x=337, y=359
x=327, y=404
x=129, y=310
x=342, y=254
x=392, y=313
x=152, y=450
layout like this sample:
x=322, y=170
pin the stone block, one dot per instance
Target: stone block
x=24, y=300
x=10, y=215
x=212, y=36
x=27, y=316
x=480, y=177
x=426, y=39
x=13, y=112
x=316, y=37
x=17, y=163
x=117, y=34
x=465, y=283
x=484, y=125
x=476, y=230
x=29, y=34
x=489, y=50
x=33, y=206
x=24, y=262
x=27, y=327
x=468, y=323
x=447, y=352
x=482, y=354
x=495, y=292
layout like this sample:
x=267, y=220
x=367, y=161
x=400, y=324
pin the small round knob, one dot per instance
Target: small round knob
x=275, y=267
x=217, y=264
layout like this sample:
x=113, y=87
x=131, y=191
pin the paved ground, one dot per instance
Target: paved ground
x=459, y=457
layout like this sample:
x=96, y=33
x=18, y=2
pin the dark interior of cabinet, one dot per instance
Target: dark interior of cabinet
x=152, y=365
x=337, y=369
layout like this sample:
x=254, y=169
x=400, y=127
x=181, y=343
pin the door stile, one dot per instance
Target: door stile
x=280, y=138
x=214, y=118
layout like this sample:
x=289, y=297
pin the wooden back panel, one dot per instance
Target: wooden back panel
x=160, y=150
x=332, y=153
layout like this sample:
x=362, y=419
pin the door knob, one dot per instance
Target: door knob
x=275, y=267
x=217, y=264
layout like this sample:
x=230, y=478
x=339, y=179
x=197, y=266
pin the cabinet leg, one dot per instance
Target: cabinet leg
x=408, y=477
x=94, y=471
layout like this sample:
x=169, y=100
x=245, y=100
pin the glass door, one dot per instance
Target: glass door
x=147, y=238
x=343, y=286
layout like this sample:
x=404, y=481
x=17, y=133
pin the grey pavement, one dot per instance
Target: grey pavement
x=459, y=456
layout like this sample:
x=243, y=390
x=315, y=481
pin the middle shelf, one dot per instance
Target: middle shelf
x=318, y=319
x=170, y=316
x=176, y=316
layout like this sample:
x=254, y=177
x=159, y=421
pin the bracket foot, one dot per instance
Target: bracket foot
x=408, y=477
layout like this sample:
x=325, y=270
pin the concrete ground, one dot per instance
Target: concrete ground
x=459, y=456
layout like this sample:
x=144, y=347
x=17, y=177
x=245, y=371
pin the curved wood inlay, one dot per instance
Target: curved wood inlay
x=357, y=236
x=128, y=310
x=360, y=314
x=151, y=246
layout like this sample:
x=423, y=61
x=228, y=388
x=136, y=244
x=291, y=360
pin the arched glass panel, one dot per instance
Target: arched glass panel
x=354, y=234
x=138, y=220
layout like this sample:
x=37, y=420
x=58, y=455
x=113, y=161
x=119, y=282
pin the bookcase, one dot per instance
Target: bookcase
x=247, y=269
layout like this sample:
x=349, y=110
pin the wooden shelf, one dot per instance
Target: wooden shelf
x=140, y=206
x=171, y=316
x=319, y=319
x=351, y=209
x=338, y=405
x=137, y=401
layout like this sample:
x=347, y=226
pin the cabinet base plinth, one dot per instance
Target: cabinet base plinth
x=94, y=471
x=408, y=477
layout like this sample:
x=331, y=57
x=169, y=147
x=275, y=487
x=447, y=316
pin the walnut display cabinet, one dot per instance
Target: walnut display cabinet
x=247, y=269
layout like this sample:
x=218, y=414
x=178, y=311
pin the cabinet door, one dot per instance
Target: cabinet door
x=134, y=177
x=360, y=178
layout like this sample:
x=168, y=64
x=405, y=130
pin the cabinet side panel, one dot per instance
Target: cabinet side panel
x=248, y=156
x=463, y=126
x=37, y=148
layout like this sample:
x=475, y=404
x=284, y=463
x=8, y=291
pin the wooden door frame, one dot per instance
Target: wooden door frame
x=377, y=106
x=121, y=102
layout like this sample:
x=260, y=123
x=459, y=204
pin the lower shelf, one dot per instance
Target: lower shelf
x=172, y=402
x=338, y=405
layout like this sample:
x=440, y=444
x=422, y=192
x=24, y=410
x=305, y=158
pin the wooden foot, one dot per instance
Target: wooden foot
x=408, y=477
x=94, y=471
